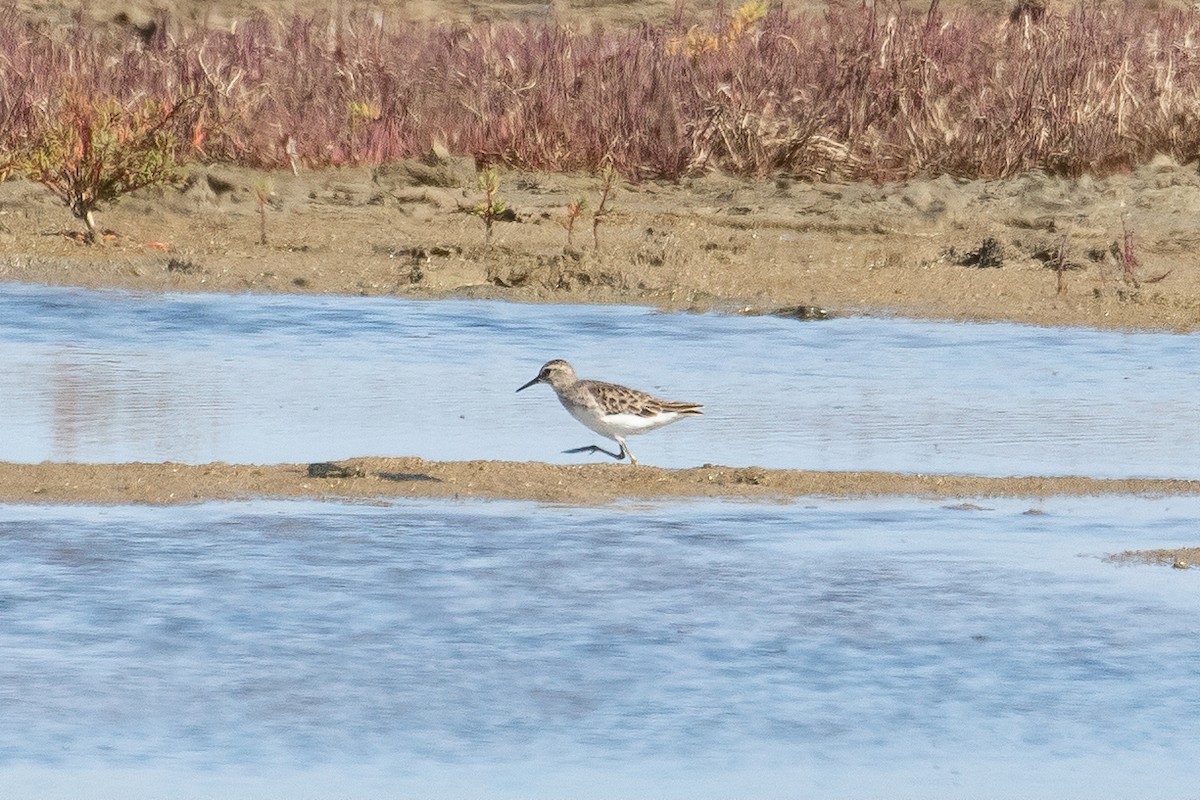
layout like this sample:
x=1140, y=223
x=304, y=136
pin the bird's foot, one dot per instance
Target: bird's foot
x=595, y=448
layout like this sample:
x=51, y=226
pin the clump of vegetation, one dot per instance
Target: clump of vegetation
x=699, y=41
x=363, y=116
x=92, y=151
x=493, y=206
x=1125, y=253
x=859, y=91
x=185, y=266
x=989, y=255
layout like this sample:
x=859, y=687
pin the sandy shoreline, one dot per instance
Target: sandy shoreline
x=386, y=479
x=389, y=480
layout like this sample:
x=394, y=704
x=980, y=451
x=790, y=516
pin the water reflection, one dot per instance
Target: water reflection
x=109, y=376
x=508, y=649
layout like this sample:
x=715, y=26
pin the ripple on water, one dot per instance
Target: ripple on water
x=511, y=649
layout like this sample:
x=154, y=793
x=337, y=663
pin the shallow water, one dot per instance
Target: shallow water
x=113, y=376
x=436, y=649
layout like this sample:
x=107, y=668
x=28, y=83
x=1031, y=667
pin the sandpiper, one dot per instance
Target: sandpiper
x=610, y=410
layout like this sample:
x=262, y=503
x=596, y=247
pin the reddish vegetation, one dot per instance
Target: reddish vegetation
x=854, y=93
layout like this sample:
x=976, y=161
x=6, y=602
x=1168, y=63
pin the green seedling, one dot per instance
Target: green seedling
x=493, y=207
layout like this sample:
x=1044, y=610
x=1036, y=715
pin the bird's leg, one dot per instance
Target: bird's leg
x=625, y=450
x=595, y=448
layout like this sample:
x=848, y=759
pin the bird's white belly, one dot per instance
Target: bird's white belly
x=611, y=425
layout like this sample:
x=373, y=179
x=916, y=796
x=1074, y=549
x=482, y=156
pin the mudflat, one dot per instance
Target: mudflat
x=386, y=479
x=1035, y=249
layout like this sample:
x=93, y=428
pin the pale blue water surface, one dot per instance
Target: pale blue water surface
x=893, y=648
x=114, y=376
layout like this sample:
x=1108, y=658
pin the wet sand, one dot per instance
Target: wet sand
x=1178, y=558
x=388, y=479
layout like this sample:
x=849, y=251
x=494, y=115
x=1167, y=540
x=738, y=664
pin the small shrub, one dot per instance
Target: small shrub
x=609, y=176
x=575, y=210
x=91, y=152
x=493, y=207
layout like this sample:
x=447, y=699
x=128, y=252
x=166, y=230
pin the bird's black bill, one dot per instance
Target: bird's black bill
x=531, y=383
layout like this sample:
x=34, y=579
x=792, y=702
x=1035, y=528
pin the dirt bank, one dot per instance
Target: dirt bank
x=942, y=248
